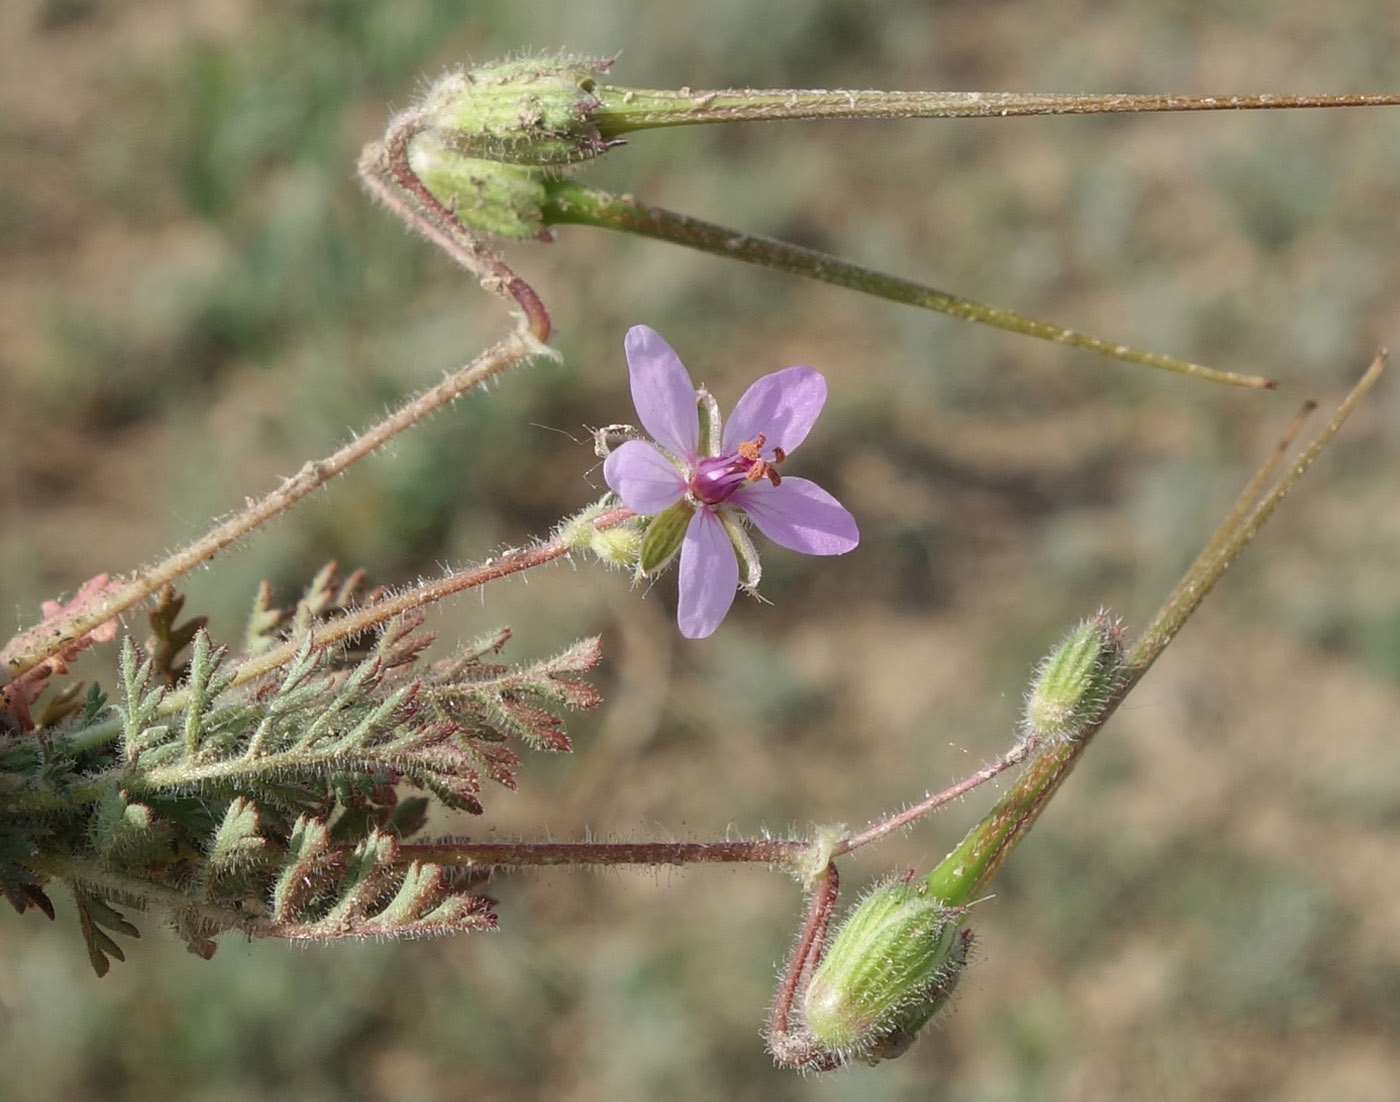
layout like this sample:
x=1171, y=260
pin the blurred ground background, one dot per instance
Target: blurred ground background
x=195, y=297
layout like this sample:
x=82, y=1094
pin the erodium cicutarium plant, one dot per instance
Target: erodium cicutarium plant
x=279, y=785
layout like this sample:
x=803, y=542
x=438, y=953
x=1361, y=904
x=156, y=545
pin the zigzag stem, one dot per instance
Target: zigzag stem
x=386, y=172
x=571, y=202
x=28, y=649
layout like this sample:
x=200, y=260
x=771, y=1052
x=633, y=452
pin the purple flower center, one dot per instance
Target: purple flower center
x=716, y=478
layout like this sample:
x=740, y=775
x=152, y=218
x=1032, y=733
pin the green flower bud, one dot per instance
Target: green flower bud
x=129, y=834
x=663, y=537
x=619, y=545
x=889, y=969
x=486, y=195
x=1073, y=684
x=530, y=111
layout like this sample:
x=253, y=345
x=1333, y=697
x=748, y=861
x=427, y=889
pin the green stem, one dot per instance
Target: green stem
x=135, y=890
x=627, y=109
x=967, y=871
x=41, y=801
x=575, y=203
x=99, y=734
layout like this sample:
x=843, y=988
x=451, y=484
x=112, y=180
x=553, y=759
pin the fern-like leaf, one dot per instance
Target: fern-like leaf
x=93, y=915
x=324, y=894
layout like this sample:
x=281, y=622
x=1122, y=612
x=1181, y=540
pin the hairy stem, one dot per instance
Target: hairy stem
x=790, y=1044
x=358, y=620
x=928, y=804
x=627, y=109
x=361, y=619
x=485, y=855
x=574, y=203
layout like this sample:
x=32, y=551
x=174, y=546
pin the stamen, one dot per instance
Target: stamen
x=751, y=451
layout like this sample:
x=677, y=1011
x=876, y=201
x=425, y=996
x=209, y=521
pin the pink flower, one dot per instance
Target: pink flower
x=717, y=479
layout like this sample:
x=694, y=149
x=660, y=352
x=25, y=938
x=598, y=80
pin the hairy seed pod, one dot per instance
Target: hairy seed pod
x=889, y=969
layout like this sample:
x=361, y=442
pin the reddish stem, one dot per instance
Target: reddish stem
x=511, y=854
x=793, y=1046
x=437, y=223
x=363, y=618
x=1014, y=756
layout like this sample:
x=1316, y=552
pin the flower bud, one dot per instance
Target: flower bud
x=497, y=198
x=619, y=545
x=1072, y=685
x=530, y=111
x=889, y=969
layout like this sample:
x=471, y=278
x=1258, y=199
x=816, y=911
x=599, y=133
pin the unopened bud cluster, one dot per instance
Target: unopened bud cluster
x=1073, y=684
x=488, y=141
x=892, y=966
x=530, y=111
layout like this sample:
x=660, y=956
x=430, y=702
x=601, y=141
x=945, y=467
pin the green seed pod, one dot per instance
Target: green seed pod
x=1073, y=684
x=497, y=198
x=663, y=537
x=530, y=111
x=889, y=969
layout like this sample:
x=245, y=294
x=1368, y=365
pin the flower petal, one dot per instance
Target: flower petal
x=662, y=392
x=709, y=576
x=783, y=406
x=645, y=479
x=799, y=515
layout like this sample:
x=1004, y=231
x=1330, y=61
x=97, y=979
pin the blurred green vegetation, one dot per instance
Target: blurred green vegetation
x=195, y=298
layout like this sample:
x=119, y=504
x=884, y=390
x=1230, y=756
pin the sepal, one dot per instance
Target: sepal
x=663, y=538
